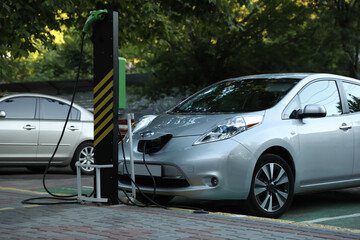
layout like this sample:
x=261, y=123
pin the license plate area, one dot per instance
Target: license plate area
x=141, y=170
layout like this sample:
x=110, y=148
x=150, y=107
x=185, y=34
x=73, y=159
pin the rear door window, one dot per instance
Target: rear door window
x=19, y=107
x=353, y=96
x=51, y=109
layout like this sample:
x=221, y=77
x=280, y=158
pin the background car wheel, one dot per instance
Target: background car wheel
x=272, y=187
x=84, y=154
x=159, y=199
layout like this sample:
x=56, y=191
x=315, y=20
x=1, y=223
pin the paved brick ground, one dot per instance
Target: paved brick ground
x=89, y=221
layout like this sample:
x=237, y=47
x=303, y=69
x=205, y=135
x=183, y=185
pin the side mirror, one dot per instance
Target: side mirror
x=310, y=111
x=2, y=114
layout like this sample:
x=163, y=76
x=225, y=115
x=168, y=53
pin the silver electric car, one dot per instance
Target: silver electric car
x=31, y=125
x=260, y=138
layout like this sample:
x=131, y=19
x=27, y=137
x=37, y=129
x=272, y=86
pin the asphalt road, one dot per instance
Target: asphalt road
x=340, y=208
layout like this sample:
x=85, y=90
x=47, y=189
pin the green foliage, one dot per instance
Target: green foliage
x=62, y=62
x=187, y=44
x=58, y=63
x=25, y=26
x=228, y=39
x=354, y=104
x=24, y=23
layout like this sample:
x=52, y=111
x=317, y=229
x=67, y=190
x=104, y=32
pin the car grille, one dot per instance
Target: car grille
x=154, y=145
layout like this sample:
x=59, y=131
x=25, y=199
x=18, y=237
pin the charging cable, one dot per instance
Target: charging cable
x=152, y=177
x=151, y=200
x=68, y=199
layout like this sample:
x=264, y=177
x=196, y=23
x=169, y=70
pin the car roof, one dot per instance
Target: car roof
x=34, y=95
x=296, y=76
x=9, y=95
x=274, y=76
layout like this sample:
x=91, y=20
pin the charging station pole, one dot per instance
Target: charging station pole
x=106, y=103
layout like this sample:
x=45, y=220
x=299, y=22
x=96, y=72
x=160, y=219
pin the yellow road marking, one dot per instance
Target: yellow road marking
x=29, y=191
x=20, y=190
x=7, y=208
x=181, y=209
x=276, y=220
x=305, y=224
x=214, y=213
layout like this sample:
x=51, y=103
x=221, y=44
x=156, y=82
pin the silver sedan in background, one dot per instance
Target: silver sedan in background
x=260, y=138
x=31, y=125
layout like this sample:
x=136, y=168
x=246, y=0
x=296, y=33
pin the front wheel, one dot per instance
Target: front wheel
x=272, y=187
x=84, y=154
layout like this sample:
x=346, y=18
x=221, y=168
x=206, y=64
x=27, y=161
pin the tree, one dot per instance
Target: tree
x=346, y=13
x=25, y=26
x=216, y=40
x=187, y=44
x=213, y=40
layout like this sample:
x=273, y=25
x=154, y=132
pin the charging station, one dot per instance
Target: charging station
x=106, y=104
x=109, y=98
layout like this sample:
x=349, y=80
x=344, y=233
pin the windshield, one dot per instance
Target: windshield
x=246, y=95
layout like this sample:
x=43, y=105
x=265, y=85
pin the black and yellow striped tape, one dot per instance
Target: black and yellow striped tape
x=103, y=108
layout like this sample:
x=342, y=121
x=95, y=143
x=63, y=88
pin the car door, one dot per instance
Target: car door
x=52, y=118
x=19, y=129
x=352, y=91
x=326, y=144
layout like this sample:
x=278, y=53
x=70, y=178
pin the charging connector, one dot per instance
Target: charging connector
x=94, y=16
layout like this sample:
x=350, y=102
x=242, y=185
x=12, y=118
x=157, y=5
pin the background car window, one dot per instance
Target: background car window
x=55, y=110
x=353, y=96
x=19, y=107
x=323, y=93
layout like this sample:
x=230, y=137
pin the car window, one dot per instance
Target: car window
x=19, y=107
x=293, y=105
x=323, y=93
x=353, y=96
x=51, y=109
x=238, y=96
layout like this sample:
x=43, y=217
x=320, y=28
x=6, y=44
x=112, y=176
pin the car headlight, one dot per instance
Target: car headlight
x=143, y=123
x=229, y=128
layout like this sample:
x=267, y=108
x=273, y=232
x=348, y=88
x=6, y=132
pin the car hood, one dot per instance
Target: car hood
x=180, y=125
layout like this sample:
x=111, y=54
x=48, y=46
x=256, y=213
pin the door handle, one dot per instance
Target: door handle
x=345, y=127
x=29, y=127
x=73, y=128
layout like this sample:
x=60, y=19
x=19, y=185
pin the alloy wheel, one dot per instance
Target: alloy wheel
x=271, y=187
x=86, y=156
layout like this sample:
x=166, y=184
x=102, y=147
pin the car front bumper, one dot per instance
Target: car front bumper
x=212, y=171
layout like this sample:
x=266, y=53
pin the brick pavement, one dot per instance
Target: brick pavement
x=89, y=221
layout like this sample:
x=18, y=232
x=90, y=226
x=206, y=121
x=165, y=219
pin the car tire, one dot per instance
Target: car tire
x=84, y=154
x=272, y=187
x=159, y=199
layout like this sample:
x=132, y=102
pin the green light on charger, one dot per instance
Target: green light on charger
x=122, y=84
